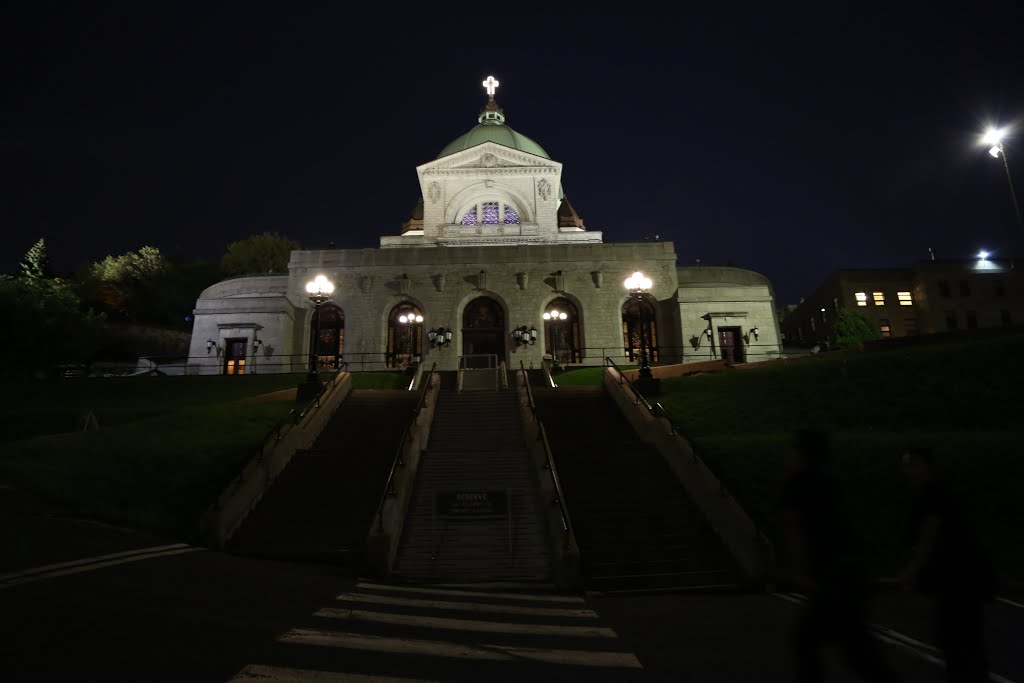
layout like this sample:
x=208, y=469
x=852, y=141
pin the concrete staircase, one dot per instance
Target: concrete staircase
x=320, y=507
x=476, y=445
x=634, y=524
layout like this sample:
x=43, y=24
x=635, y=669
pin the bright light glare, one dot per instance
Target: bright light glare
x=320, y=285
x=547, y=316
x=637, y=281
x=982, y=255
x=995, y=151
x=419, y=318
x=993, y=136
x=403, y=319
x=562, y=316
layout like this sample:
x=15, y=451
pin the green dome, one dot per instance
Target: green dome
x=497, y=133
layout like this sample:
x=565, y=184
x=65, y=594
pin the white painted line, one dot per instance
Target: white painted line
x=437, y=648
x=89, y=560
x=467, y=624
x=278, y=674
x=473, y=594
x=1011, y=603
x=365, y=598
x=95, y=565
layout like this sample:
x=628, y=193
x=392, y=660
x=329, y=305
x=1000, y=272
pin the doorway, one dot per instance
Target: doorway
x=483, y=328
x=234, y=356
x=730, y=342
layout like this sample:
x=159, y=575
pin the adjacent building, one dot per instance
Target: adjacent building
x=931, y=296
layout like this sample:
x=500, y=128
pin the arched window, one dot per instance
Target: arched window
x=331, y=344
x=483, y=332
x=491, y=212
x=405, y=335
x=562, y=331
x=634, y=313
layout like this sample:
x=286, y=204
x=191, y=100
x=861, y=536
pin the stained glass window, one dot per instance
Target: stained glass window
x=511, y=217
x=490, y=210
x=470, y=217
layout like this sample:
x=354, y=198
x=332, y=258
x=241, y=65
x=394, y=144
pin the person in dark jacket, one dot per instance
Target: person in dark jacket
x=949, y=565
x=818, y=548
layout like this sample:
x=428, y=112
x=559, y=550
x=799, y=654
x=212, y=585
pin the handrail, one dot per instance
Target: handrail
x=293, y=417
x=549, y=462
x=389, y=486
x=678, y=431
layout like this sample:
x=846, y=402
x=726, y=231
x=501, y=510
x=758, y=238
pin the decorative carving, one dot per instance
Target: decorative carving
x=544, y=189
x=598, y=278
x=366, y=283
x=268, y=350
x=439, y=280
x=434, y=192
x=523, y=279
x=481, y=280
x=559, y=282
x=404, y=284
x=488, y=183
x=488, y=160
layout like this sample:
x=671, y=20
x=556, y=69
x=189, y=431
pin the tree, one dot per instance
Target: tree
x=258, y=255
x=851, y=328
x=129, y=285
x=35, y=265
x=52, y=328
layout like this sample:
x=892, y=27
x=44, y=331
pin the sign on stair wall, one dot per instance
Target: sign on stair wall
x=470, y=504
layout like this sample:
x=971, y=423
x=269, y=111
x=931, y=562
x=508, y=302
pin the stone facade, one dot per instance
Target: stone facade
x=492, y=222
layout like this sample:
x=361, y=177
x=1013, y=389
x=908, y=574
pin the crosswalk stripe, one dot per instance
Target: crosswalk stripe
x=467, y=624
x=90, y=567
x=436, y=648
x=278, y=674
x=468, y=606
x=473, y=594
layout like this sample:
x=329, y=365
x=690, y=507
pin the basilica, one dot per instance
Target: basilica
x=493, y=265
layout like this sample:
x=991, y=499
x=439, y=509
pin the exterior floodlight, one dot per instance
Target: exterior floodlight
x=319, y=290
x=995, y=151
x=320, y=285
x=994, y=137
x=637, y=281
x=982, y=255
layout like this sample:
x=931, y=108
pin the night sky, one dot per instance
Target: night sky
x=791, y=144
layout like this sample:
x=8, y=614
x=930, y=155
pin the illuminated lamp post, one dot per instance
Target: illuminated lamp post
x=318, y=290
x=637, y=284
x=995, y=137
x=408, y=320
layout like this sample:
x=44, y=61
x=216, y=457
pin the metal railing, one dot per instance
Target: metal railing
x=294, y=417
x=549, y=462
x=398, y=460
x=658, y=410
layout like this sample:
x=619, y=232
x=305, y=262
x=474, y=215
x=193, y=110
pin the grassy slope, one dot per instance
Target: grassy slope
x=961, y=399
x=31, y=407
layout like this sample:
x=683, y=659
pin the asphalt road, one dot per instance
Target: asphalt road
x=85, y=602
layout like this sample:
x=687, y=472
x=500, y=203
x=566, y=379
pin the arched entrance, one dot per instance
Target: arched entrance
x=562, y=331
x=631, y=319
x=405, y=335
x=331, y=344
x=483, y=328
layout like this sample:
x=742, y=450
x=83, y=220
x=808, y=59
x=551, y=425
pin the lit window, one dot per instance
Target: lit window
x=905, y=298
x=862, y=298
x=885, y=328
x=879, y=298
x=490, y=213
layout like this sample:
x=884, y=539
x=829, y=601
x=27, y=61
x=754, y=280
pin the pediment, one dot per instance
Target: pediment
x=488, y=155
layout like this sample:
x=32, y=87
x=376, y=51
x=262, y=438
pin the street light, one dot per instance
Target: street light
x=319, y=290
x=637, y=284
x=408, y=320
x=995, y=137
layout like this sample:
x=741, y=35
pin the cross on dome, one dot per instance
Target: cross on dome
x=491, y=85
